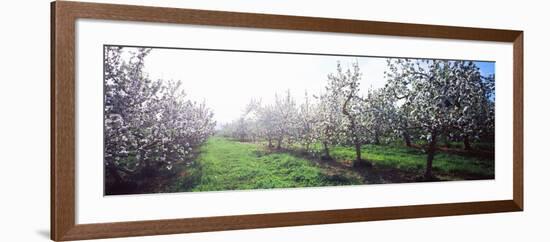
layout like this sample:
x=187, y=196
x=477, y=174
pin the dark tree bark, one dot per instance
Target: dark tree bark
x=269, y=144
x=445, y=137
x=358, y=161
x=467, y=145
x=325, y=147
x=279, y=141
x=376, y=138
x=357, y=145
x=406, y=137
x=431, y=153
x=356, y=142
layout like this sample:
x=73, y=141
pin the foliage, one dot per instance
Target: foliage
x=153, y=132
x=149, y=125
x=306, y=120
x=343, y=89
x=442, y=97
x=423, y=100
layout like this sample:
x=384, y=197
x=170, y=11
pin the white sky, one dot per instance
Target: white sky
x=227, y=81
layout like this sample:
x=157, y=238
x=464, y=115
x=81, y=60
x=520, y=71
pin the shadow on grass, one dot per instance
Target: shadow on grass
x=344, y=172
x=333, y=172
x=371, y=172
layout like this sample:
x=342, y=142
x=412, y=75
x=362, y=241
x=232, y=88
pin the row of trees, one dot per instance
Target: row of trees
x=423, y=100
x=149, y=125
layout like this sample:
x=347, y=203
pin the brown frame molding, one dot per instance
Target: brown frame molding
x=63, y=17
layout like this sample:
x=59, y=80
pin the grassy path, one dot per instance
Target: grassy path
x=230, y=165
x=402, y=164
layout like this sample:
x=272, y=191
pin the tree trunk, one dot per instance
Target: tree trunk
x=431, y=153
x=279, y=141
x=358, y=161
x=327, y=154
x=307, y=147
x=445, y=137
x=376, y=138
x=467, y=145
x=407, y=138
x=269, y=143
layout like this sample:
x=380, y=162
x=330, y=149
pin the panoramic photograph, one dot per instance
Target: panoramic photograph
x=196, y=120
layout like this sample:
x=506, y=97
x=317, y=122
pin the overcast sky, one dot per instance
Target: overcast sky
x=227, y=81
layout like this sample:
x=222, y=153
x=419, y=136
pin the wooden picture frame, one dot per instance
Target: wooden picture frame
x=63, y=18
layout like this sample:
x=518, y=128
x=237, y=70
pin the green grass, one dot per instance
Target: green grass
x=413, y=159
x=225, y=164
x=231, y=165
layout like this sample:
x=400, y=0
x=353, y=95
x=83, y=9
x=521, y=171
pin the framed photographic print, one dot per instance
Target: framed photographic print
x=172, y=120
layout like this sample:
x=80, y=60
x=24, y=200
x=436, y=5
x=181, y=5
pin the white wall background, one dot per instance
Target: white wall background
x=24, y=122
